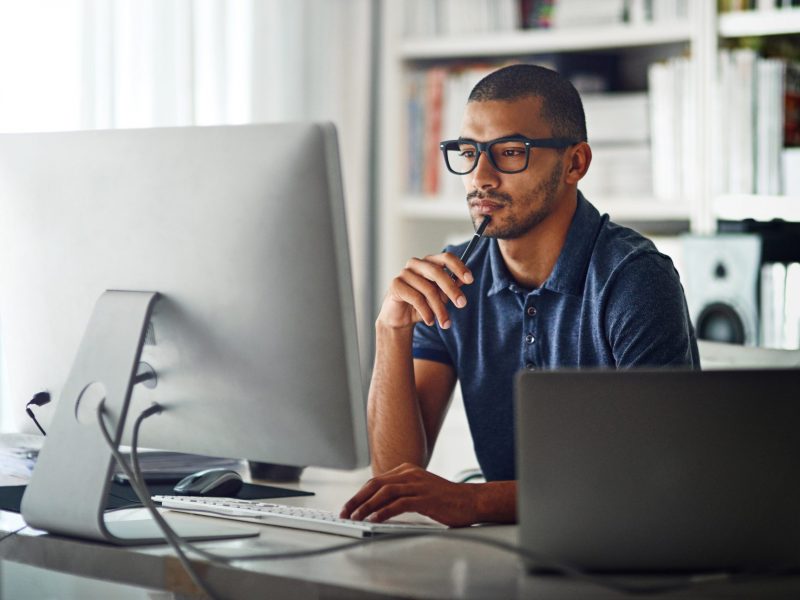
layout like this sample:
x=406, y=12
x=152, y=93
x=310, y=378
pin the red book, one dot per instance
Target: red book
x=433, y=129
x=791, y=119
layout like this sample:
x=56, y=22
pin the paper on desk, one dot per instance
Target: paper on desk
x=18, y=452
x=154, y=462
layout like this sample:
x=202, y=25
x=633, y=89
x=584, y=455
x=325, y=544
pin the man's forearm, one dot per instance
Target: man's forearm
x=396, y=431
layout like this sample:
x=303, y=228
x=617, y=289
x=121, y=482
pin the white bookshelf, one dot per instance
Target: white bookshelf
x=750, y=23
x=411, y=225
x=757, y=23
x=759, y=208
x=513, y=43
x=620, y=209
x=414, y=225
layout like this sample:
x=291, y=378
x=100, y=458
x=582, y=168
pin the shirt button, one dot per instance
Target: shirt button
x=531, y=311
x=530, y=339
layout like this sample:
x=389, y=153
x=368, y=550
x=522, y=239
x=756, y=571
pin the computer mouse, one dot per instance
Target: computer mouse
x=211, y=482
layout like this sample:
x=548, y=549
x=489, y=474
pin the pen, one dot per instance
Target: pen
x=472, y=245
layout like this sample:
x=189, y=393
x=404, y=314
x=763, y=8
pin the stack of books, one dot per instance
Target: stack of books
x=430, y=18
x=618, y=128
x=752, y=93
x=749, y=133
x=673, y=128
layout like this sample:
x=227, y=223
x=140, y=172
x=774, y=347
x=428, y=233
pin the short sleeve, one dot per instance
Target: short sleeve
x=647, y=320
x=428, y=344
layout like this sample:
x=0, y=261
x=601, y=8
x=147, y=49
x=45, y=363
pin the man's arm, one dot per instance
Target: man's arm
x=407, y=402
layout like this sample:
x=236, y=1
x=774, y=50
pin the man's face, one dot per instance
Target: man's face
x=516, y=202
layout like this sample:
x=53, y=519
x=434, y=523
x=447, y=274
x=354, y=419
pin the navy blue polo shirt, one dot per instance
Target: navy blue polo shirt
x=612, y=300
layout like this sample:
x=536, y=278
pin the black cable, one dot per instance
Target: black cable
x=136, y=480
x=39, y=399
x=11, y=533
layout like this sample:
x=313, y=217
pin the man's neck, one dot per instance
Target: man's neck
x=530, y=259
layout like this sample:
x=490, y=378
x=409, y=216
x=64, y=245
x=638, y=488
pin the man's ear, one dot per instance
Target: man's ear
x=580, y=157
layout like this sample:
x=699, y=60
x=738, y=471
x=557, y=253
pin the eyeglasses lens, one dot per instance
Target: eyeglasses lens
x=508, y=157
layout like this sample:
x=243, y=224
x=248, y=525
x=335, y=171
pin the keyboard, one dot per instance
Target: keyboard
x=266, y=513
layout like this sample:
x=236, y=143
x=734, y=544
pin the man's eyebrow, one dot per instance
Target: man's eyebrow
x=508, y=135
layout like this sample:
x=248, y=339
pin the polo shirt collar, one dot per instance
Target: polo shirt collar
x=569, y=272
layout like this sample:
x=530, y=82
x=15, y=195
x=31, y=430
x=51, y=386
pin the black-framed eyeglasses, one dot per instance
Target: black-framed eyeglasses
x=507, y=154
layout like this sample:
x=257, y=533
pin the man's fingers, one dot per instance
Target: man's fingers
x=367, y=491
x=416, y=299
x=384, y=496
x=432, y=270
x=454, y=265
x=396, y=507
x=395, y=476
x=430, y=297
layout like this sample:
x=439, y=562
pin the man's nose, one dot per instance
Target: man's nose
x=484, y=176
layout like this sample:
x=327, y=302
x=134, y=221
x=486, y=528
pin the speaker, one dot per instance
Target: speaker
x=722, y=286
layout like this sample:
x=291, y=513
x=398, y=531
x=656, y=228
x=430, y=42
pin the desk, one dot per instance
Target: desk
x=413, y=568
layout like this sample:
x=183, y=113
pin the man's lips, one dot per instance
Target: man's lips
x=486, y=206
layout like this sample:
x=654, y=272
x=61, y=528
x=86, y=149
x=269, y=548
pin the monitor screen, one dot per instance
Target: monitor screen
x=241, y=231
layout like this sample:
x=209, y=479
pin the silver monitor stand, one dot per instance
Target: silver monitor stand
x=75, y=464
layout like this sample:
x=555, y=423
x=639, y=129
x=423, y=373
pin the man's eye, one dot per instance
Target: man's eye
x=513, y=152
x=467, y=153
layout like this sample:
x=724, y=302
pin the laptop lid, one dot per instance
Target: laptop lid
x=660, y=470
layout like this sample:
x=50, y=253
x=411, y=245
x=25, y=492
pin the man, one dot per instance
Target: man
x=555, y=285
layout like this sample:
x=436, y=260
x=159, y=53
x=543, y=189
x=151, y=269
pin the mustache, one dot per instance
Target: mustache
x=499, y=197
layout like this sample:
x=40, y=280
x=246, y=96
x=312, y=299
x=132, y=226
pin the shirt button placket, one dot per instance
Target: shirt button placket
x=530, y=338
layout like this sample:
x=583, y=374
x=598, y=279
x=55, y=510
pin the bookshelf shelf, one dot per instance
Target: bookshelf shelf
x=759, y=208
x=647, y=209
x=642, y=209
x=748, y=23
x=545, y=41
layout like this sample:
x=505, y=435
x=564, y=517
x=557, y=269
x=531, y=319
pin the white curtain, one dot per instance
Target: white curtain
x=87, y=64
x=206, y=62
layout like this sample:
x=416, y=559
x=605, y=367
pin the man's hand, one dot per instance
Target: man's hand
x=421, y=292
x=410, y=488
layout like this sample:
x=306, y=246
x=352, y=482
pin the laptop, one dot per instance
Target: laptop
x=660, y=471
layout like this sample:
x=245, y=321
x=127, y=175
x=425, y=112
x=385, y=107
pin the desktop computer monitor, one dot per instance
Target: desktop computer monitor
x=214, y=258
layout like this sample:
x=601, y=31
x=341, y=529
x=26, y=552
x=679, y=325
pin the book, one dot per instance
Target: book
x=790, y=172
x=791, y=311
x=771, y=295
x=768, y=125
x=791, y=107
x=435, y=81
x=617, y=117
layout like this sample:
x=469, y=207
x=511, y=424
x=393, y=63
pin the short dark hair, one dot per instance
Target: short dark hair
x=561, y=103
